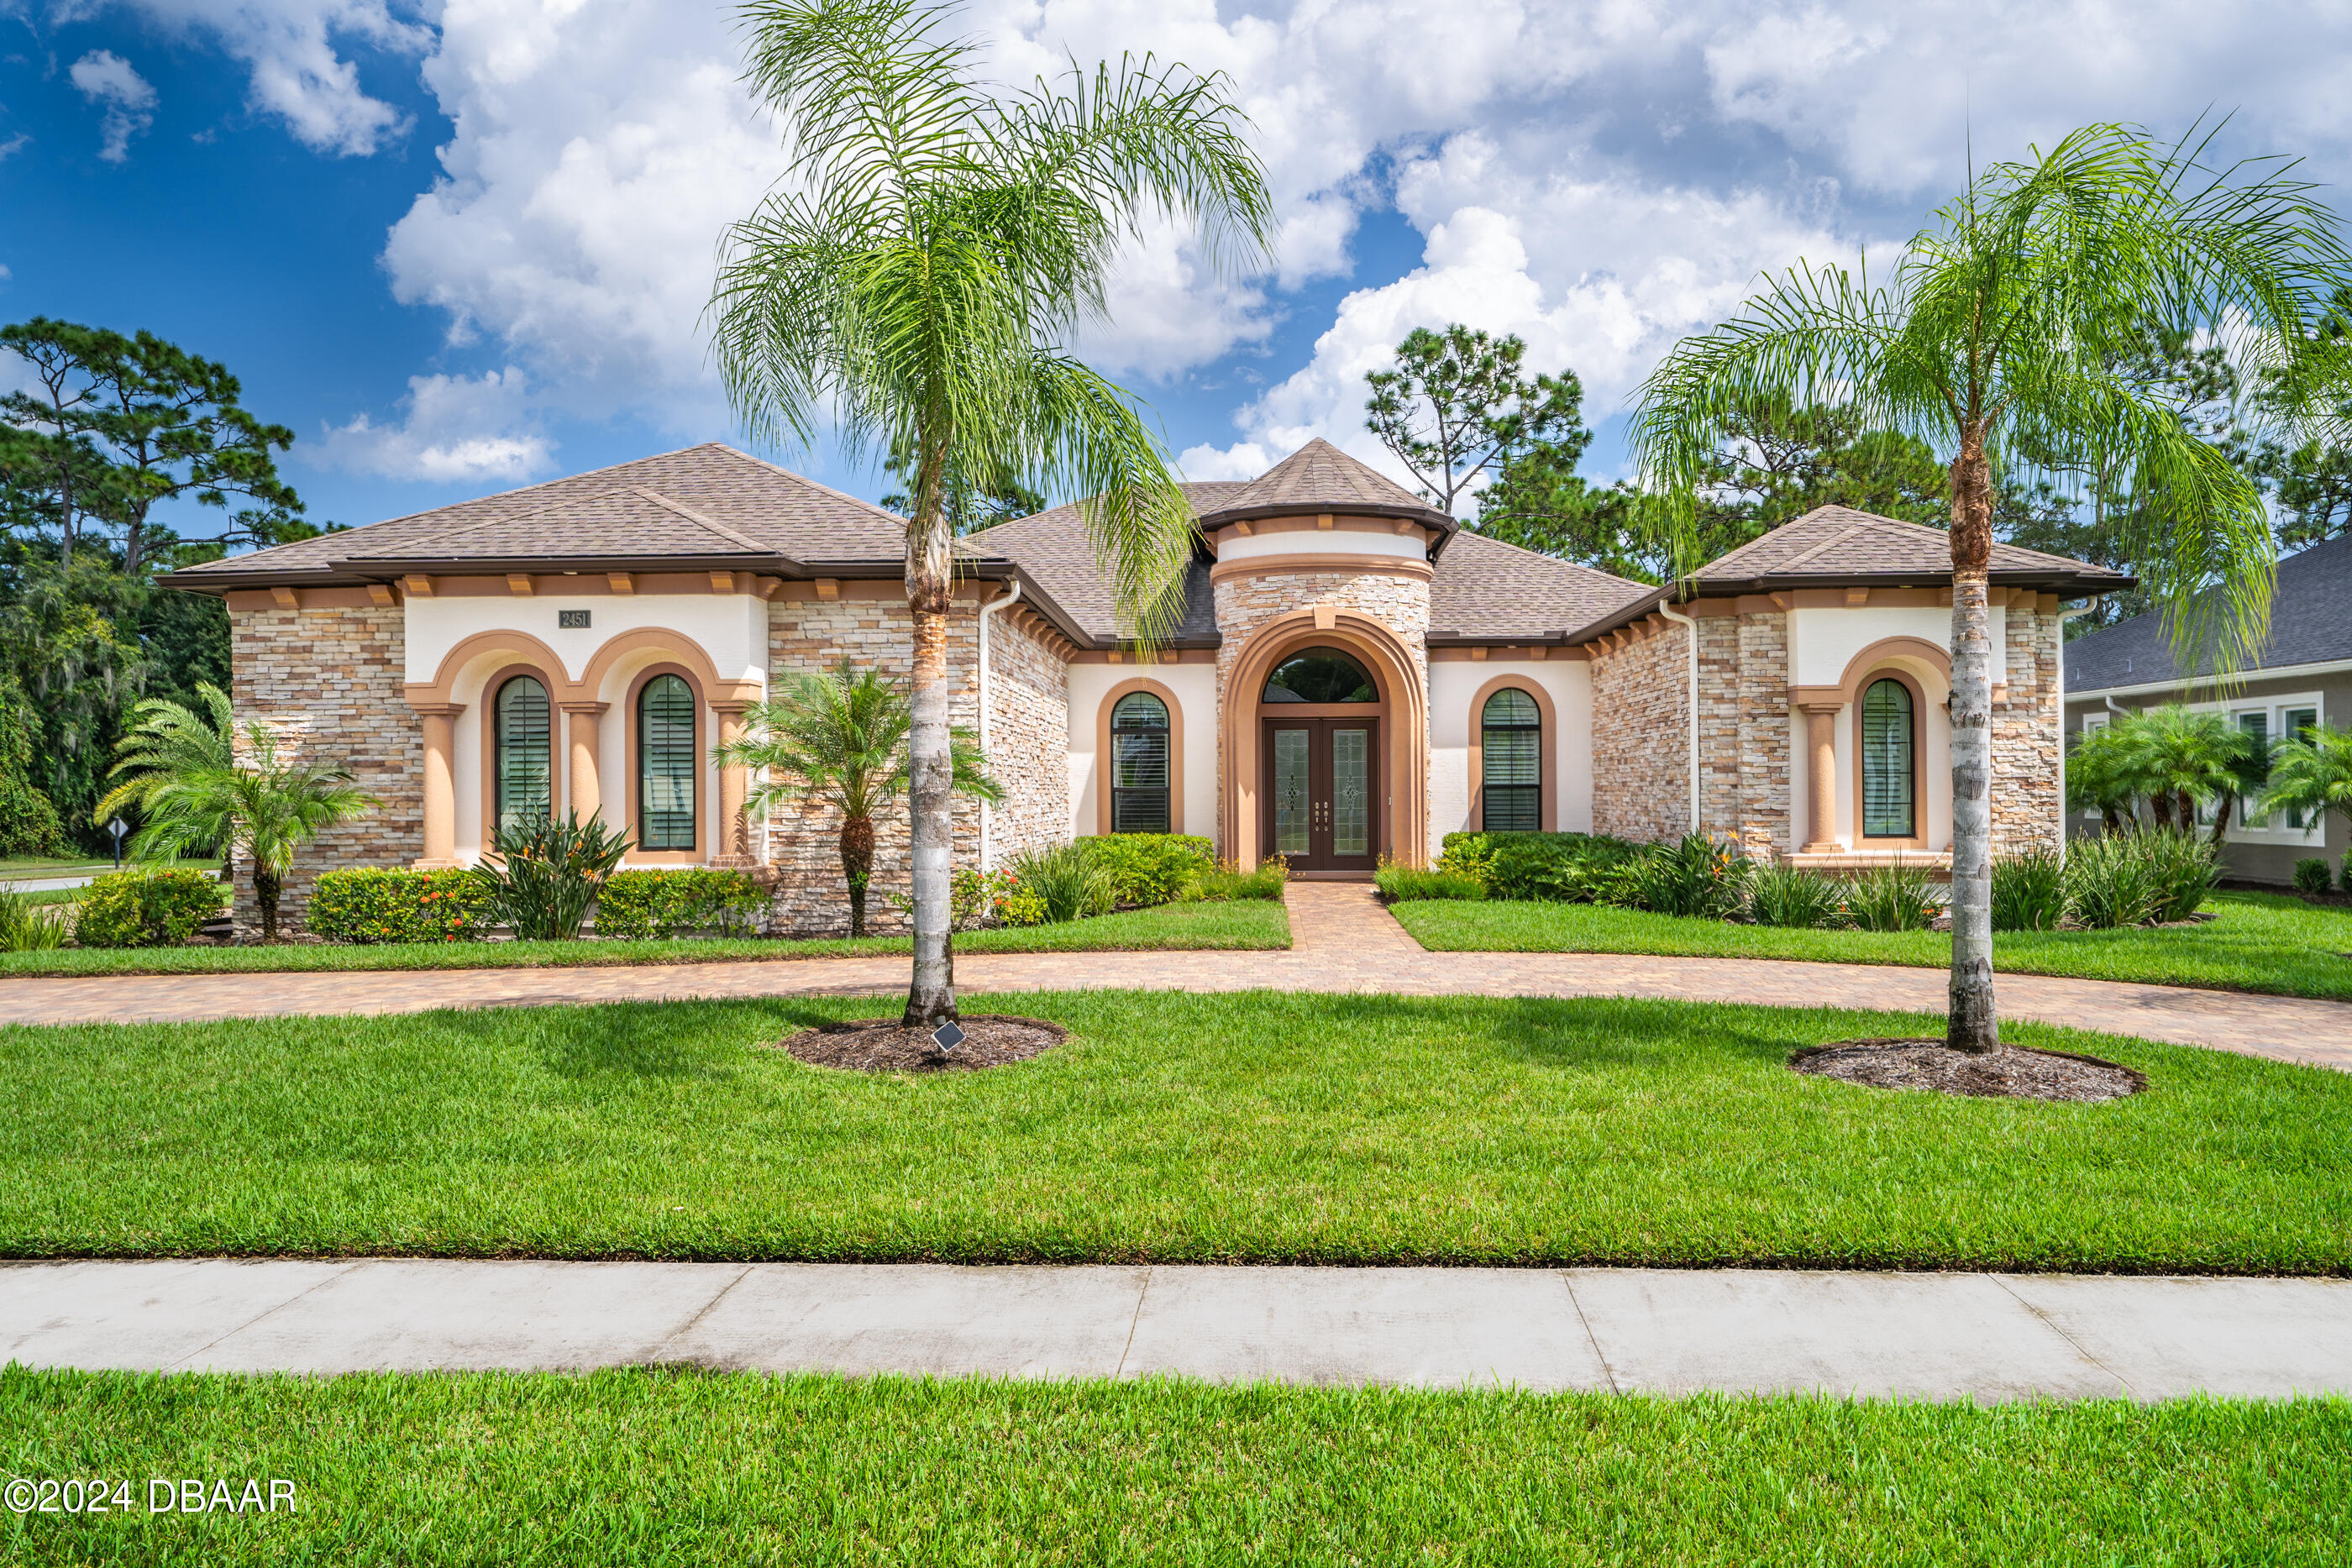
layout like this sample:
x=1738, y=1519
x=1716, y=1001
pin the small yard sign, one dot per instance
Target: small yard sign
x=947, y=1037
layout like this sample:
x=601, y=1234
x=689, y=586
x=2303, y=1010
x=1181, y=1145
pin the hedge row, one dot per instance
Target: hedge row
x=380, y=905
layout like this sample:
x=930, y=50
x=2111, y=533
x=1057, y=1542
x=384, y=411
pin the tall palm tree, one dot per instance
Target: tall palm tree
x=265, y=806
x=839, y=741
x=1997, y=339
x=2312, y=772
x=917, y=273
x=2181, y=760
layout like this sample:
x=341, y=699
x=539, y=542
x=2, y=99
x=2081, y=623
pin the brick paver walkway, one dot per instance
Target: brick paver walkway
x=1345, y=942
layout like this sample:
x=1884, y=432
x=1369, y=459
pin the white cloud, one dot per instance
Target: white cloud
x=107, y=80
x=456, y=430
x=13, y=145
x=296, y=72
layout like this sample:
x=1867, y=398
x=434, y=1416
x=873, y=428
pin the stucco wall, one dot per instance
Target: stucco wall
x=1194, y=688
x=1453, y=686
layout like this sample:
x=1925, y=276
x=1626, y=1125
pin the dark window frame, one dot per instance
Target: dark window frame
x=500, y=741
x=1144, y=798
x=1530, y=794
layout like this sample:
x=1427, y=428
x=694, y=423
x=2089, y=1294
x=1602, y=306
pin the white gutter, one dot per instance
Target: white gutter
x=1691, y=627
x=991, y=608
x=2064, y=616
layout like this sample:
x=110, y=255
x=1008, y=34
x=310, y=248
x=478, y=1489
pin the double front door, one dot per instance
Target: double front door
x=1322, y=795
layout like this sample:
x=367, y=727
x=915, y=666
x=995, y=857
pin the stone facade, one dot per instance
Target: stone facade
x=1028, y=742
x=328, y=682
x=1244, y=603
x=1641, y=757
x=1760, y=824
x=2028, y=776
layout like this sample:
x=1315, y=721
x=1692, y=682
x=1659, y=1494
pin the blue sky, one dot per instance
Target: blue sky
x=459, y=246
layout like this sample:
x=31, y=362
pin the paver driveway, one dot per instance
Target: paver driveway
x=1344, y=941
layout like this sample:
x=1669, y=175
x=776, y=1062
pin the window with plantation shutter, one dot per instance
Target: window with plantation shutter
x=1889, y=762
x=525, y=764
x=1139, y=765
x=1511, y=763
x=666, y=764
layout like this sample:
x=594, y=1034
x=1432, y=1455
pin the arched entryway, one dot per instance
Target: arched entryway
x=1317, y=769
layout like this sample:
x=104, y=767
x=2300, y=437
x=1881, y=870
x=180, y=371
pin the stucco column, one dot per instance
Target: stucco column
x=734, y=824
x=1821, y=792
x=440, y=786
x=587, y=788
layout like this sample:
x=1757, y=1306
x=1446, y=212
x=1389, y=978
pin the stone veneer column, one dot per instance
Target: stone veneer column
x=587, y=788
x=1821, y=782
x=440, y=786
x=734, y=825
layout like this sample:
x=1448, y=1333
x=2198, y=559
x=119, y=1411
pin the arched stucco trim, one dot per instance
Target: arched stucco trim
x=1547, y=747
x=1175, y=750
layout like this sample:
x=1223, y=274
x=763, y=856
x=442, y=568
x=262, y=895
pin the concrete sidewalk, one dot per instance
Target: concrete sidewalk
x=1934, y=1336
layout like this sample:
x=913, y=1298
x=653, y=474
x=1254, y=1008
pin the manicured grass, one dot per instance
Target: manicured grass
x=31, y=866
x=2263, y=942
x=1255, y=1127
x=676, y=1467
x=1240, y=924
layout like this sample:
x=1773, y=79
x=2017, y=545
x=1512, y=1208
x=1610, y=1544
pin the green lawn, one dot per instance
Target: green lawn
x=1238, y=924
x=674, y=1467
x=1257, y=1126
x=30, y=866
x=2263, y=942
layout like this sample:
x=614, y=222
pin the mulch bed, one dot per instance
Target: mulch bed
x=2009, y=1073
x=883, y=1045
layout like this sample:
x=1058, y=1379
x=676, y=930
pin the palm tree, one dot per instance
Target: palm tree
x=917, y=272
x=1997, y=339
x=2101, y=776
x=2311, y=772
x=167, y=741
x=267, y=808
x=838, y=740
x=2182, y=758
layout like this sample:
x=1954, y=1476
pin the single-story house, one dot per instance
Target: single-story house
x=1354, y=675
x=2303, y=677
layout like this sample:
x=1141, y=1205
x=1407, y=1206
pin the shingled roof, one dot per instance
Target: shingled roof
x=704, y=504
x=1486, y=591
x=1319, y=477
x=1052, y=548
x=2311, y=624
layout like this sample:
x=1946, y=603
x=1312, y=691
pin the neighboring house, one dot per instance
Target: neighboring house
x=2303, y=677
x=1352, y=678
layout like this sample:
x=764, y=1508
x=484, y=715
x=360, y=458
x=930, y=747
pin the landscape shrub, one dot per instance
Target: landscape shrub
x=2182, y=867
x=1398, y=882
x=1224, y=880
x=2029, y=891
x=1899, y=898
x=2111, y=883
x=2310, y=876
x=1694, y=877
x=1150, y=868
x=542, y=876
x=1800, y=900
x=379, y=904
x=638, y=904
x=2344, y=880
x=29, y=927
x=159, y=907
x=1568, y=868
x=1066, y=882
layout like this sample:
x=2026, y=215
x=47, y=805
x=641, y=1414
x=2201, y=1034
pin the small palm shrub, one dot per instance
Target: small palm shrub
x=2310, y=876
x=1899, y=898
x=637, y=905
x=1695, y=877
x=2111, y=883
x=2183, y=868
x=1398, y=882
x=1800, y=900
x=543, y=876
x=145, y=908
x=2029, y=891
x=1222, y=881
x=29, y=927
x=370, y=904
x=1150, y=868
x=1066, y=882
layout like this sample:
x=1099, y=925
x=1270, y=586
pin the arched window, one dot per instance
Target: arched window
x=1139, y=765
x=1511, y=763
x=525, y=768
x=1889, y=761
x=666, y=764
x=1320, y=675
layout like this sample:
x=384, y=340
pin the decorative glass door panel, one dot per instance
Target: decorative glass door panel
x=1321, y=788
x=1292, y=782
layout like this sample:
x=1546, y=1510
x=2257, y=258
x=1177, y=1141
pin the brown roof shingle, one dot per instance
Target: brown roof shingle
x=1839, y=543
x=1053, y=549
x=1487, y=591
x=1319, y=477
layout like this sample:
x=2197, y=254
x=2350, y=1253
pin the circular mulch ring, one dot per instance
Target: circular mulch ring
x=2009, y=1073
x=884, y=1045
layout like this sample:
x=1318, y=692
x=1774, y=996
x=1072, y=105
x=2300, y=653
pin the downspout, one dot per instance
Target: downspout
x=2064, y=616
x=1690, y=627
x=991, y=608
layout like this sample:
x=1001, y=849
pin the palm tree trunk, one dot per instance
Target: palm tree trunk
x=857, y=866
x=1974, y=1025
x=2159, y=807
x=2111, y=822
x=2222, y=817
x=2188, y=814
x=930, y=999
x=264, y=892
